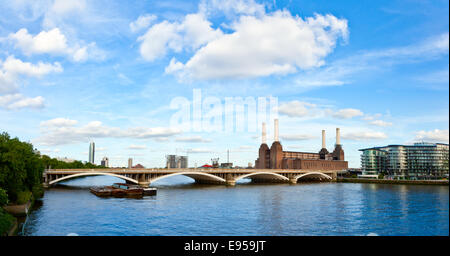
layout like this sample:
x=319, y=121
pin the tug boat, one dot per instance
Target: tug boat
x=123, y=190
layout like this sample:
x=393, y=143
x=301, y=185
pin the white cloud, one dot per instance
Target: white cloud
x=295, y=137
x=193, y=139
x=380, y=123
x=137, y=147
x=12, y=66
x=429, y=48
x=18, y=101
x=199, y=150
x=368, y=117
x=12, y=69
x=59, y=10
x=192, y=33
x=435, y=135
x=295, y=108
x=343, y=71
x=318, y=82
x=62, y=7
x=59, y=122
x=58, y=135
x=142, y=22
x=364, y=135
x=49, y=150
x=125, y=79
x=231, y=7
x=347, y=113
x=54, y=42
x=285, y=44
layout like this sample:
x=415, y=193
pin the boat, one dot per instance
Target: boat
x=123, y=190
x=149, y=191
x=101, y=191
x=126, y=190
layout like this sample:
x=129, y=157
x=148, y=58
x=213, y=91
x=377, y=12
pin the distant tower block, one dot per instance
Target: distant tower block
x=264, y=133
x=323, y=139
x=130, y=162
x=276, y=138
x=338, y=137
x=92, y=153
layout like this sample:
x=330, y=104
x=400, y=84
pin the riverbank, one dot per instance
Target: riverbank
x=11, y=215
x=19, y=210
x=402, y=182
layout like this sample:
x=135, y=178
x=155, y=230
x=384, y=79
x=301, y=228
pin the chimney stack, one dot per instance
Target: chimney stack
x=264, y=133
x=276, y=131
x=338, y=137
x=323, y=139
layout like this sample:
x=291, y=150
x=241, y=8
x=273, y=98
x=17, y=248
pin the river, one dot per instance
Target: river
x=184, y=208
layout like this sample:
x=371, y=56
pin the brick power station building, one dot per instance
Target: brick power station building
x=275, y=158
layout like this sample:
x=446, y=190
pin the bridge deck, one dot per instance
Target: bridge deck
x=164, y=171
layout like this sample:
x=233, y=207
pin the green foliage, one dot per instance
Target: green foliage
x=6, y=221
x=3, y=197
x=21, y=168
x=380, y=176
x=53, y=163
x=23, y=197
x=38, y=191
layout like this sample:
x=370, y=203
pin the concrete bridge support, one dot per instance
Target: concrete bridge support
x=142, y=180
x=230, y=181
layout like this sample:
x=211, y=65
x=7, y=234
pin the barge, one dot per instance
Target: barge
x=123, y=190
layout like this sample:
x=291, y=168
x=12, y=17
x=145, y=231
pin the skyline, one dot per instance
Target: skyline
x=107, y=72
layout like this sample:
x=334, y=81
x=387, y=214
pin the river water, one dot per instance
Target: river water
x=184, y=208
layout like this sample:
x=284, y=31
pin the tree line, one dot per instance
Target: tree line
x=21, y=169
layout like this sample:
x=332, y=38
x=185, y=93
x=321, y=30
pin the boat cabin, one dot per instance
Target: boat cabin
x=124, y=186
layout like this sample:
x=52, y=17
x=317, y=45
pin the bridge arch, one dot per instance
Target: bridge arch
x=76, y=175
x=313, y=174
x=263, y=175
x=193, y=175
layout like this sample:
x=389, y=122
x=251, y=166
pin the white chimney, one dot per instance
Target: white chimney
x=276, y=131
x=264, y=133
x=323, y=139
x=338, y=137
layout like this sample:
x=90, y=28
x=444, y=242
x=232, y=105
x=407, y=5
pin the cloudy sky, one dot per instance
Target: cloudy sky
x=107, y=71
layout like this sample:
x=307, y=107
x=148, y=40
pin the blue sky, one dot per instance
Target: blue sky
x=107, y=71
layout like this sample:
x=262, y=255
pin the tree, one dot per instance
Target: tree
x=3, y=197
x=20, y=167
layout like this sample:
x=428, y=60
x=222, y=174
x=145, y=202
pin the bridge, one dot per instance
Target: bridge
x=144, y=177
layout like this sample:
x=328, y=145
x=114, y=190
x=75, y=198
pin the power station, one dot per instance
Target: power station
x=276, y=158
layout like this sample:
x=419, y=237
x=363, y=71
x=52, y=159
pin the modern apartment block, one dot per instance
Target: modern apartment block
x=105, y=162
x=174, y=161
x=418, y=161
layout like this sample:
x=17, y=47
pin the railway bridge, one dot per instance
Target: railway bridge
x=144, y=177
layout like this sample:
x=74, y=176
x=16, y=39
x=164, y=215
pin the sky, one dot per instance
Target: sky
x=128, y=75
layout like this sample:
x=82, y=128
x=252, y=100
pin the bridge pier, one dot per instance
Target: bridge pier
x=292, y=180
x=144, y=184
x=231, y=182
